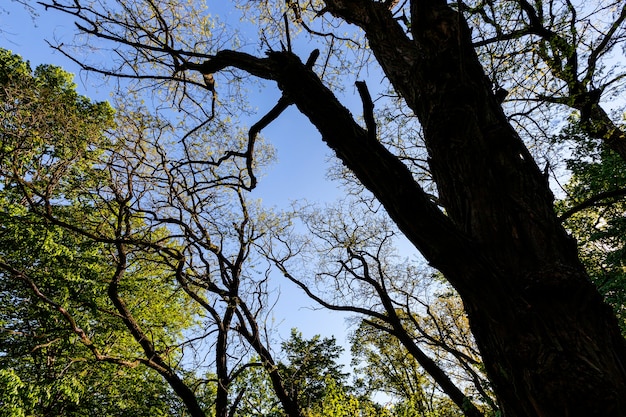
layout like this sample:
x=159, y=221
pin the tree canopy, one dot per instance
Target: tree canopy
x=455, y=151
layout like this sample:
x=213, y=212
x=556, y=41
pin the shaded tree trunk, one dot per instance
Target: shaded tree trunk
x=550, y=344
x=221, y=363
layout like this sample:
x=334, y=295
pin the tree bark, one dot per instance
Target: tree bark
x=550, y=344
x=221, y=363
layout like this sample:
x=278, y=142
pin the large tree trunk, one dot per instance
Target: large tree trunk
x=221, y=363
x=550, y=344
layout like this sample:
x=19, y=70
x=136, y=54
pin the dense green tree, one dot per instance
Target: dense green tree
x=55, y=370
x=64, y=351
x=309, y=367
x=337, y=401
x=313, y=376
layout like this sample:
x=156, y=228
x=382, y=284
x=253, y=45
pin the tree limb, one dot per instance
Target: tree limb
x=592, y=201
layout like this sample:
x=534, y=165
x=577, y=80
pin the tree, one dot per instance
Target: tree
x=337, y=402
x=387, y=366
x=171, y=247
x=255, y=389
x=54, y=370
x=549, y=343
x=311, y=365
x=64, y=351
x=312, y=377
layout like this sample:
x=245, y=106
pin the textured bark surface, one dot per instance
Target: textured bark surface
x=550, y=345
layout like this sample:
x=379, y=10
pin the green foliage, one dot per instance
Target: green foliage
x=54, y=371
x=311, y=364
x=49, y=132
x=313, y=375
x=388, y=367
x=258, y=398
x=595, y=208
x=12, y=67
x=55, y=313
x=338, y=402
x=12, y=394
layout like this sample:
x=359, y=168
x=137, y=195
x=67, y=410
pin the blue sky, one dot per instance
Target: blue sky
x=299, y=173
